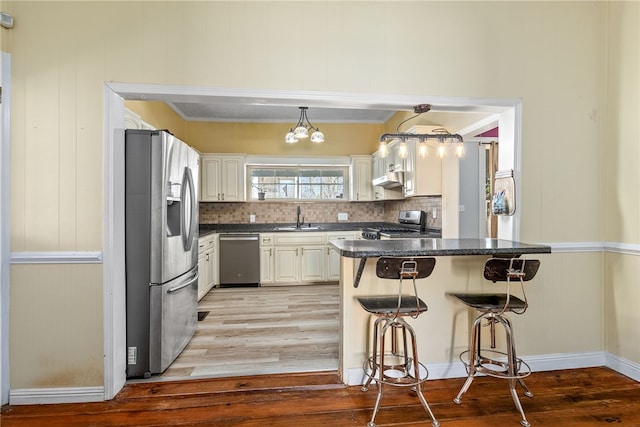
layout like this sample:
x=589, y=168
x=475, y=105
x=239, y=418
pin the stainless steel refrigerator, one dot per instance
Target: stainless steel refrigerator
x=161, y=249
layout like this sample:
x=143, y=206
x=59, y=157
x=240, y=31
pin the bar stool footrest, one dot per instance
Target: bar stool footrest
x=398, y=373
x=494, y=364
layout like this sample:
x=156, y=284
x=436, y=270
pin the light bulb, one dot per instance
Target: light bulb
x=317, y=137
x=383, y=151
x=402, y=150
x=442, y=150
x=290, y=138
x=301, y=132
x=459, y=150
x=422, y=150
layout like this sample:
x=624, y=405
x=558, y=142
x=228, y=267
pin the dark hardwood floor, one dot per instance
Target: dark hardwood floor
x=581, y=397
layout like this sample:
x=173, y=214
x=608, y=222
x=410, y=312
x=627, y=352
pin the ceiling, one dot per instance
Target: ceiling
x=236, y=112
x=239, y=105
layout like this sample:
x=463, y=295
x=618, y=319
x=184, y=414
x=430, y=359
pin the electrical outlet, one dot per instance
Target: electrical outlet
x=252, y=218
x=434, y=213
x=342, y=216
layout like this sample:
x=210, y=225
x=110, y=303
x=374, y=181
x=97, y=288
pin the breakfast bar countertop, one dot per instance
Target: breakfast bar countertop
x=434, y=247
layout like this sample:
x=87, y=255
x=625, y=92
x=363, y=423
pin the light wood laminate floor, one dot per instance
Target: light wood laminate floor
x=262, y=330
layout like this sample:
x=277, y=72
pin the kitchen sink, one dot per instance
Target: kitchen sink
x=301, y=228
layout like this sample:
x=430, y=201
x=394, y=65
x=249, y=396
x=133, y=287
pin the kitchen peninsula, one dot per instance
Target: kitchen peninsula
x=443, y=329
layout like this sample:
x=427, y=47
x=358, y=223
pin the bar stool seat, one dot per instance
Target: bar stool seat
x=492, y=309
x=493, y=303
x=398, y=367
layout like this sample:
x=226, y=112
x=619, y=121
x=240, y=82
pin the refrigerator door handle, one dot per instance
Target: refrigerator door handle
x=189, y=210
x=184, y=285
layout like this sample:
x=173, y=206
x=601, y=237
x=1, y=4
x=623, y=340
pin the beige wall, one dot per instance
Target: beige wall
x=55, y=312
x=621, y=140
x=551, y=55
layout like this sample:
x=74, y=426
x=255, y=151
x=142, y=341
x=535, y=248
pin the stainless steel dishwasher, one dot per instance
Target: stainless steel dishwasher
x=239, y=259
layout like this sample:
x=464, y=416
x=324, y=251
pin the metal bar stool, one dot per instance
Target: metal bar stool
x=399, y=367
x=492, y=308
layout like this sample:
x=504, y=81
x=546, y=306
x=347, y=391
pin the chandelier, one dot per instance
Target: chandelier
x=441, y=135
x=302, y=128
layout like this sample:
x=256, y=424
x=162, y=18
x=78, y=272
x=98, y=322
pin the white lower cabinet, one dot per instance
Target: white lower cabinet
x=300, y=257
x=287, y=264
x=312, y=265
x=332, y=255
x=267, y=274
x=207, y=264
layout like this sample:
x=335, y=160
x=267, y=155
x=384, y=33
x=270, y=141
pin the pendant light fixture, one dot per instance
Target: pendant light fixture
x=441, y=135
x=302, y=128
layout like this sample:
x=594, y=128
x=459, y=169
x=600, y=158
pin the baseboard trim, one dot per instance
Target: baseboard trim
x=623, y=366
x=547, y=362
x=355, y=376
x=39, y=396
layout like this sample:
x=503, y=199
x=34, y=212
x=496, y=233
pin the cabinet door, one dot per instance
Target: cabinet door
x=410, y=176
x=312, y=264
x=378, y=171
x=203, y=279
x=211, y=269
x=333, y=257
x=232, y=174
x=210, y=190
x=362, y=188
x=215, y=254
x=286, y=262
x=266, y=265
x=428, y=173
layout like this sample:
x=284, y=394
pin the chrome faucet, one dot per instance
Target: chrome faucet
x=298, y=223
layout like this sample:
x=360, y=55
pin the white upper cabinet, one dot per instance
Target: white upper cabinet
x=222, y=178
x=422, y=175
x=361, y=177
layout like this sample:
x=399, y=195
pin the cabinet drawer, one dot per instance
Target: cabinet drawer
x=340, y=236
x=266, y=239
x=299, y=238
x=206, y=242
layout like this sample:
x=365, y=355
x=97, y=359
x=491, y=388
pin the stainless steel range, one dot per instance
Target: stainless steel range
x=410, y=224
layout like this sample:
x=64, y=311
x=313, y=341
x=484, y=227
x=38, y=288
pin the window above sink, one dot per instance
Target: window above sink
x=298, y=183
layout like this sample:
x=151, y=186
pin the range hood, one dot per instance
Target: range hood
x=390, y=180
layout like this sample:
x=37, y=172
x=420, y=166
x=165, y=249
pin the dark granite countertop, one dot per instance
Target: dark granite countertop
x=271, y=228
x=434, y=247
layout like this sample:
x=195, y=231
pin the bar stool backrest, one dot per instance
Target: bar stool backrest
x=391, y=267
x=503, y=269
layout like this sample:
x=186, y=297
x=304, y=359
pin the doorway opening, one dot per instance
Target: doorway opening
x=507, y=113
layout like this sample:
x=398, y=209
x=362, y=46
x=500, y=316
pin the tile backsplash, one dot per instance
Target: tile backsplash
x=316, y=212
